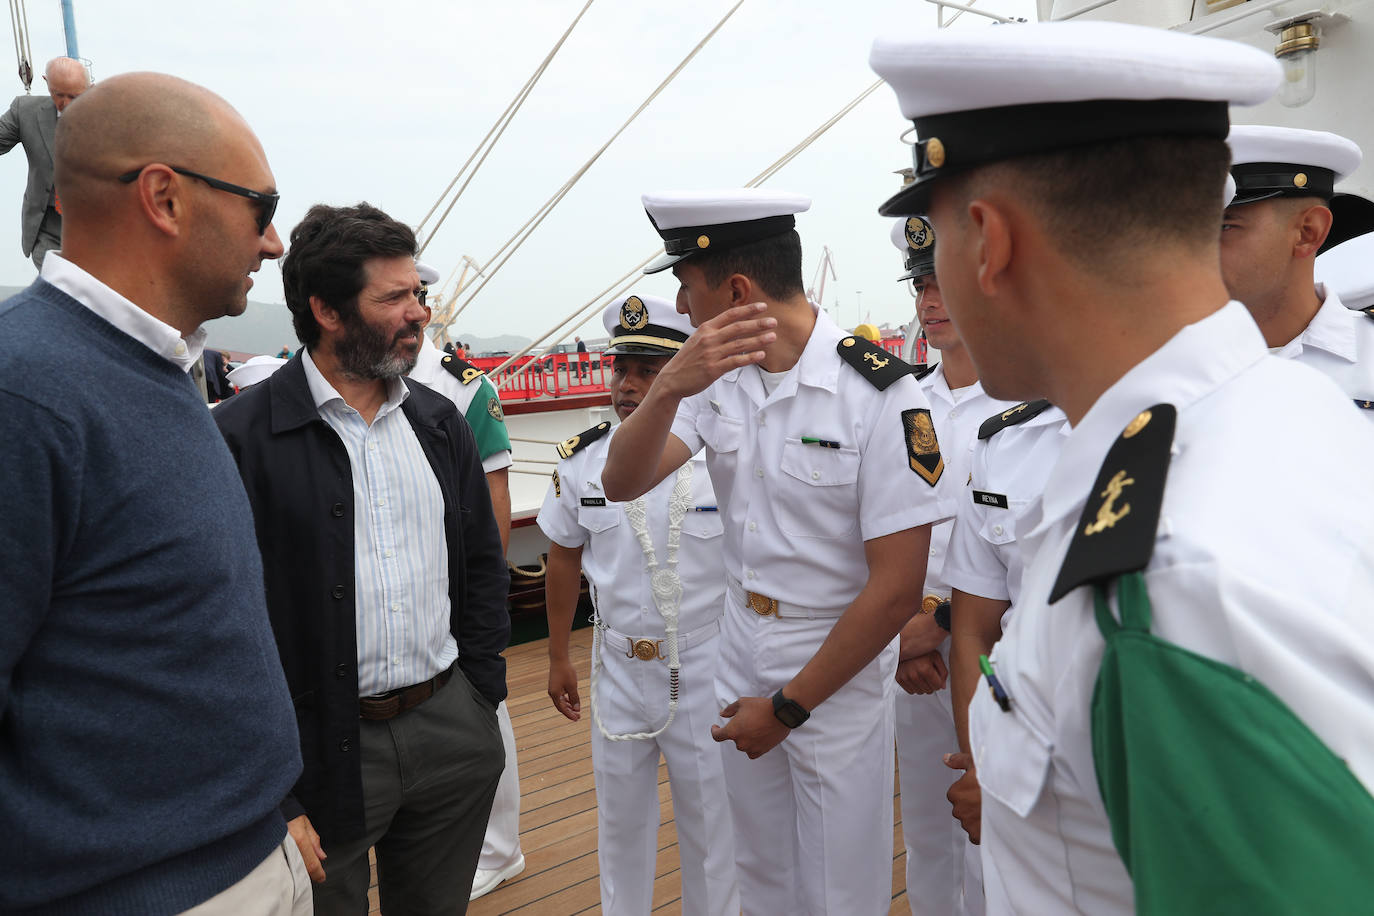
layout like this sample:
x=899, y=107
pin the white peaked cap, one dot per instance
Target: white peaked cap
x=428, y=275
x=646, y=325
x=1348, y=270
x=978, y=96
x=694, y=221
x=254, y=370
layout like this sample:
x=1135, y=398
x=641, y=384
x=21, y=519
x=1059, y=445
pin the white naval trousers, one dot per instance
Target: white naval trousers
x=501, y=845
x=939, y=879
x=632, y=696
x=813, y=816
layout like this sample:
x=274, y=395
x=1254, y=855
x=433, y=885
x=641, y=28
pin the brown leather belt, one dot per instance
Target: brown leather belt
x=392, y=704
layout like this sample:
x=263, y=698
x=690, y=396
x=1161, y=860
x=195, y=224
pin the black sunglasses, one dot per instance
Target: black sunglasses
x=267, y=203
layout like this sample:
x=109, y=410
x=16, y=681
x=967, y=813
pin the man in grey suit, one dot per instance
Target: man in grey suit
x=32, y=121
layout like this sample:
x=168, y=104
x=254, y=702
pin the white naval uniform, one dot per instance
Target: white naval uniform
x=632, y=694
x=985, y=559
x=1339, y=343
x=1263, y=560
x=813, y=816
x=935, y=843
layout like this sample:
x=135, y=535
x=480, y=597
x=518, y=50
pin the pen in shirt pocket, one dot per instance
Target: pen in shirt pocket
x=999, y=692
x=823, y=443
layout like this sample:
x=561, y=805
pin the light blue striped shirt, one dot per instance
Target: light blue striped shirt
x=400, y=548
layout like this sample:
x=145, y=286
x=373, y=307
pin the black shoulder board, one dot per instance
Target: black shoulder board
x=569, y=447
x=874, y=363
x=921, y=370
x=1116, y=532
x=1368, y=311
x=461, y=369
x=1018, y=414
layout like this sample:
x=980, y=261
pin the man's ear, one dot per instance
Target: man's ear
x=160, y=199
x=741, y=290
x=992, y=240
x=1312, y=226
x=326, y=316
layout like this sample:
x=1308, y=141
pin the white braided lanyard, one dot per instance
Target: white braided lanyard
x=666, y=586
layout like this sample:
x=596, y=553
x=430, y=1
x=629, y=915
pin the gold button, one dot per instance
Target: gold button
x=1300, y=180
x=1141, y=420
x=848, y=341
x=935, y=153
x=703, y=241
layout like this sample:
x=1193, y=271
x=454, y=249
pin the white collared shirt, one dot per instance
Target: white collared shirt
x=156, y=335
x=796, y=515
x=577, y=514
x=402, y=613
x=1263, y=560
x=1338, y=343
x=956, y=424
x=1009, y=470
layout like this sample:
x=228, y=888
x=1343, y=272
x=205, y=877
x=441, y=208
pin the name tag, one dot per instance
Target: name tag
x=593, y=501
x=984, y=498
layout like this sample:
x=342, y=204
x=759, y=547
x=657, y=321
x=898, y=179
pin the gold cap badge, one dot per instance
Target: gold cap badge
x=919, y=234
x=633, y=314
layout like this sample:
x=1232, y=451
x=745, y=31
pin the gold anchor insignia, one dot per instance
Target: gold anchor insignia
x=1106, y=518
x=919, y=235
x=633, y=314
x=878, y=362
x=645, y=649
x=1015, y=410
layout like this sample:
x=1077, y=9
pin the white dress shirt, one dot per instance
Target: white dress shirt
x=1338, y=343
x=1010, y=469
x=156, y=335
x=1263, y=560
x=577, y=514
x=400, y=548
x=796, y=515
x=957, y=416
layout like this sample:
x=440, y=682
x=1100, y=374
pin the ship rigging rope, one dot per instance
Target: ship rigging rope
x=629, y=279
x=502, y=123
x=525, y=231
x=19, y=25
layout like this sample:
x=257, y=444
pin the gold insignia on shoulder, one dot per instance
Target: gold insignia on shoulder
x=471, y=375
x=1008, y=414
x=1300, y=180
x=1106, y=516
x=919, y=234
x=448, y=359
x=1141, y=420
x=494, y=408
x=848, y=342
x=879, y=362
x=567, y=446
x=922, y=446
x=703, y=241
x=935, y=153
x=557, y=485
x=633, y=314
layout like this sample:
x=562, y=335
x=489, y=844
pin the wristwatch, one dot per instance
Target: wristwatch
x=789, y=712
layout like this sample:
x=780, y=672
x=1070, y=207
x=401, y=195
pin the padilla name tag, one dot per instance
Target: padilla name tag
x=593, y=501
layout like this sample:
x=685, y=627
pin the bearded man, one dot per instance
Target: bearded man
x=386, y=581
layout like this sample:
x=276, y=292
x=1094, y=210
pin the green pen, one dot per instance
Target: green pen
x=823, y=443
x=998, y=692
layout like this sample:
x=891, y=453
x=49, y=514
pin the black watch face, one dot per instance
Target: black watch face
x=789, y=712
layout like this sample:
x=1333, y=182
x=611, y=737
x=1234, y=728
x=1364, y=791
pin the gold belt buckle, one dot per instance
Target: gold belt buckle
x=929, y=603
x=763, y=605
x=646, y=650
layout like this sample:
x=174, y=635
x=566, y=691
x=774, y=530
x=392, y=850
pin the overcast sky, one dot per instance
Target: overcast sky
x=384, y=101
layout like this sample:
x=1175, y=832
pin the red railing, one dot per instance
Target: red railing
x=560, y=374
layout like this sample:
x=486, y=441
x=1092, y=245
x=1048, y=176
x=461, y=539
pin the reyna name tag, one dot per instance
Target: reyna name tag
x=980, y=498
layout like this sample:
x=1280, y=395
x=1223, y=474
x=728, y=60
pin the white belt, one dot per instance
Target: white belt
x=769, y=607
x=648, y=648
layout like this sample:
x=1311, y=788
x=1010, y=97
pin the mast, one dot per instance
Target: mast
x=69, y=28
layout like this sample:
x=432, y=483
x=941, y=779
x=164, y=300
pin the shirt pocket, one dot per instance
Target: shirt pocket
x=818, y=493
x=597, y=519
x=1014, y=759
x=999, y=525
x=720, y=433
x=703, y=525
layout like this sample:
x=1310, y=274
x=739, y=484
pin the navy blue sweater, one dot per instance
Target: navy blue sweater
x=146, y=734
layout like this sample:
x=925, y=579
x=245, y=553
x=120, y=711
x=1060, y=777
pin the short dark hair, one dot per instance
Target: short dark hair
x=1105, y=203
x=773, y=264
x=329, y=249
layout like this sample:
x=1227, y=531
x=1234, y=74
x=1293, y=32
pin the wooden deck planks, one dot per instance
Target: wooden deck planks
x=558, y=805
